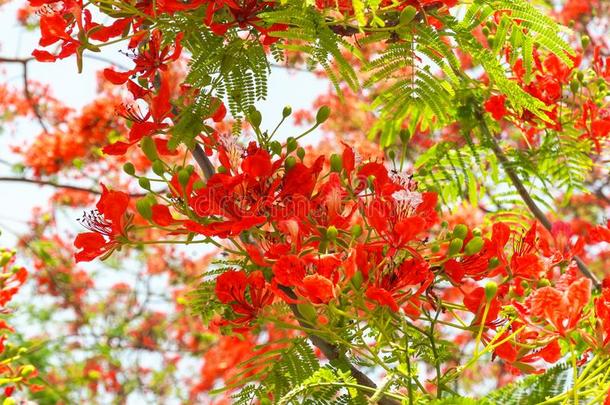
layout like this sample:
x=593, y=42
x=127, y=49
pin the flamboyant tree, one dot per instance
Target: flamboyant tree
x=443, y=243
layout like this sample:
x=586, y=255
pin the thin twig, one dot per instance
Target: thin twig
x=57, y=185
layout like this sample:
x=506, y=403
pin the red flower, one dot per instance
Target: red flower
x=107, y=224
x=231, y=289
x=496, y=106
x=382, y=297
x=289, y=271
x=317, y=288
x=562, y=308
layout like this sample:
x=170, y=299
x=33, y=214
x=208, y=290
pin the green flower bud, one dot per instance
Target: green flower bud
x=286, y=111
x=290, y=162
x=455, y=246
x=301, y=153
x=356, y=231
x=5, y=258
x=276, y=147
x=158, y=168
x=144, y=183
x=255, y=118
x=574, y=86
x=435, y=248
x=331, y=233
x=491, y=288
x=129, y=168
x=585, y=40
x=460, y=231
x=580, y=75
x=144, y=208
x=336, y=163
x=474, y=246
x=27, y=370
x=198, y=185
x=485, y=31
x=291, y=144
x=149, y=148
x=221, y=169
x=544, y=282
x=183, y=177
x=493, y=263
x=322, y=115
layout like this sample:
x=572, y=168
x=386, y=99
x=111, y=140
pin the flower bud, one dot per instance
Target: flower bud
x=356, y=231
x=574, y=86
x=474, y=246
x=322, y=115
x=221, y=169
x=5, y=257
x=584, y=41
x=460, y=231
x=144, y=183
x=491, y=288
x=276, y=147
x=158, y=168
x=198, y=185
x=331, y=233
x=291, y=144
x=580, y=75
x=27, y=370
x=455, y=246
x=149, y=148
x=543, y=282
x=290, y=162
x=301, y=153
x=144, y=208
x=435, y=248
x=286, y=111
x=183, y=177
x=255, y=118
x=493, y=263
x=129, y=168
x=336, y=163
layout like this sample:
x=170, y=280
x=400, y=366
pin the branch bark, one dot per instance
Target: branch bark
x=330, y=351
x=525, y=195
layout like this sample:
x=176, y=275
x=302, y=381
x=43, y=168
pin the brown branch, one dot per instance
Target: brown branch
x=525, y=196
x=26, y=88
x=57, y=185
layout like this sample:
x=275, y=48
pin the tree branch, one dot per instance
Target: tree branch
x=57, y=185
x=525, y=196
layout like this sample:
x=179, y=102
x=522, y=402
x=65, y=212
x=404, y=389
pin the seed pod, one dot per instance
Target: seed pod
x=322, y=115
x=336, y=163
x=474, y=246
x=149, y=148
x=455, y=246
x=460, y=231
x=491, y=288
x=129, y=168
